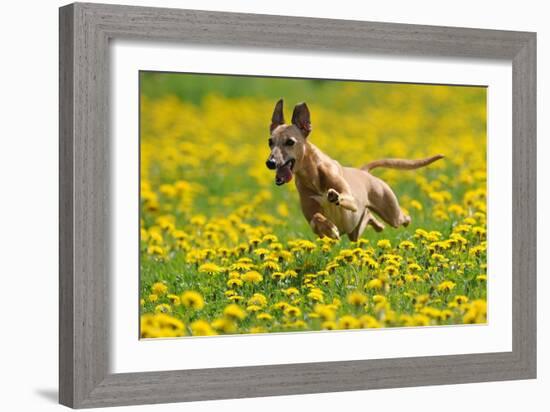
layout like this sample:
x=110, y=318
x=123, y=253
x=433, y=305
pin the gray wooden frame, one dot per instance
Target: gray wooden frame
x=85, y=31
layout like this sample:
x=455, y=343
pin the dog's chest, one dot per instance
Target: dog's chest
x=345, y=220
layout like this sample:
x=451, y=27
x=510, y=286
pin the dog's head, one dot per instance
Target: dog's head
x=287, y=141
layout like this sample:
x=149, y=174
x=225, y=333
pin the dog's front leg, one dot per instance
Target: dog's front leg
x=337, y=188
x=323, y=227
x=318, y=222
x=341, y=199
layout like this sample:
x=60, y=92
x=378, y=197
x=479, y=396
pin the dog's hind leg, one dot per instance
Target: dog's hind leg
x=375, y=223
x=367, y=219
x=392, y=214
x=385, y=204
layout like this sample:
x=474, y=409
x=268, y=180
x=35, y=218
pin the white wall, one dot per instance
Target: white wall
x=28, y=203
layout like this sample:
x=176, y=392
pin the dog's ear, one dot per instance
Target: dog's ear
x=278, y=117
x=301, y=118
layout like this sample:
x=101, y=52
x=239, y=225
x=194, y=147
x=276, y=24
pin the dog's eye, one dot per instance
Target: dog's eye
x=290, y=142
x=270, y=142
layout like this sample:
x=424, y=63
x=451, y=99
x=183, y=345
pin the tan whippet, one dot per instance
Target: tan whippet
x=335, y=200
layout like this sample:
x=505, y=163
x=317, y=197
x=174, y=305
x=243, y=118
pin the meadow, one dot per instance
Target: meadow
x=224, y=250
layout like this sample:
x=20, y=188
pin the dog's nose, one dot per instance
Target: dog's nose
x=270, y=163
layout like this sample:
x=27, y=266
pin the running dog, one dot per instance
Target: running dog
x=335, y=200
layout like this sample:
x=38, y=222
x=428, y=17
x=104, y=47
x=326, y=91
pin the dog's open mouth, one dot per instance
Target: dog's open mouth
x=284, y=172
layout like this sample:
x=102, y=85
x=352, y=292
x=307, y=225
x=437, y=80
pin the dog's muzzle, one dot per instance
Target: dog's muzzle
x=271, y=164
x=284, y=172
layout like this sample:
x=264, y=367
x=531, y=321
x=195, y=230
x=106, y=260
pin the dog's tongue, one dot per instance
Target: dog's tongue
x=283, y=175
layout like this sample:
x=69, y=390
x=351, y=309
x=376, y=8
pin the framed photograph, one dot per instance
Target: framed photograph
x=256, y=205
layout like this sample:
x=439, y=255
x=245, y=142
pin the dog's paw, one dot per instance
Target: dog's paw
x=324, y=227
x=333, y=196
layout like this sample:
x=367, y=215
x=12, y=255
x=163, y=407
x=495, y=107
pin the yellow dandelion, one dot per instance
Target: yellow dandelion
x=277, y=275
x=156, y=250
x=255, y=241
x=201, y=328
x=262, y=252
x=281, y=305
x=264, y=316
x=159, y=288
x=446, y=286
x=306, y=245
x=234, y=311
x=233, y=283
x=460, y=299
x=143, y=235
x=276, y=246
x=252, y=277
x=476, y=312
x=258, y=299
x=331, y=267
x=163, y=308
x=325, y=312
x=329, y=325
x=192, y=300
x=224, y=325
x=357, y=298
x=155, y=238
x=160, y=325
x=407, y=245
x=415, y=204
x=253, y=308
x=198, y=220
x=210, y=268
x=292, y=291
x=282, y=209
x=257, y=329
x=370, y=263
x=316, y=294
x=368, y=321
x=291, y=273
x=174, y=299
x=292, y=311
x=179, y=235
x=420, y=234
x=375, y=284
x=270, y=238
x=391, y=270
x=241, y=266
x=271, y=265
x=348, y=322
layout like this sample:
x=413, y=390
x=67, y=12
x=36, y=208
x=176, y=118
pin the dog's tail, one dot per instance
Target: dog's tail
x=405, y=164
